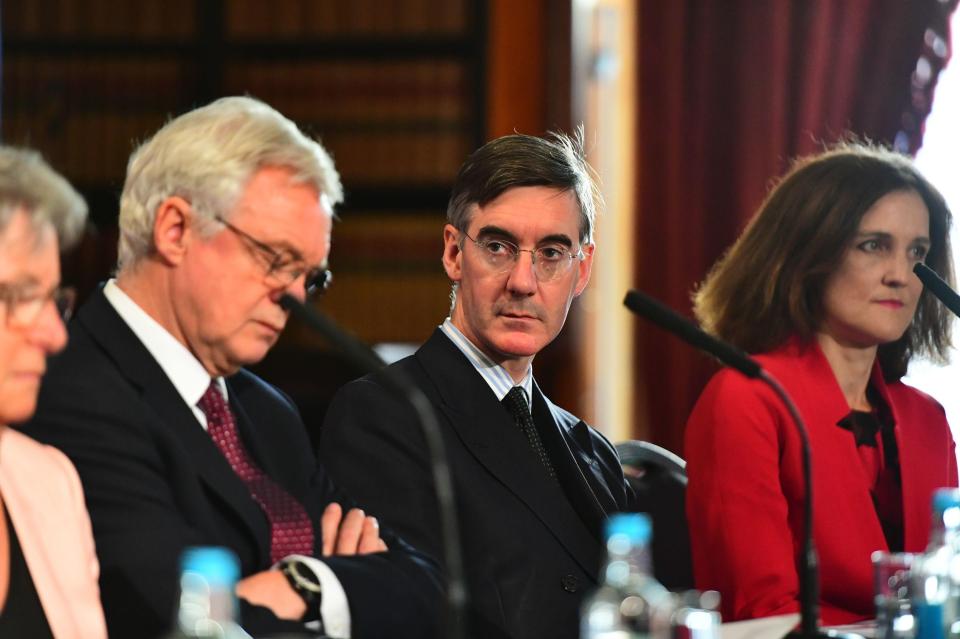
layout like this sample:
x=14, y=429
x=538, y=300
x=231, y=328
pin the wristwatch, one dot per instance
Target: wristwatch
x=306, y=584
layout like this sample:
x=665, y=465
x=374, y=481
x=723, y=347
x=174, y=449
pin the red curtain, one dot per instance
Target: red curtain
x=729, y=92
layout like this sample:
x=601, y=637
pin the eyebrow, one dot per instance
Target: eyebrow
x=554, y=238
x=883, y=235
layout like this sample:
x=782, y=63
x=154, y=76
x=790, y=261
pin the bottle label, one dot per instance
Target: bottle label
x=929, y=620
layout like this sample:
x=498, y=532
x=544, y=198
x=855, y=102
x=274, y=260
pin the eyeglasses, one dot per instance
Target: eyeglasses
x=282, y=268
x=22, y=306
x=549, y=262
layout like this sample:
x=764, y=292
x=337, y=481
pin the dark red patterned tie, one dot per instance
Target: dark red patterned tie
x=290, y=529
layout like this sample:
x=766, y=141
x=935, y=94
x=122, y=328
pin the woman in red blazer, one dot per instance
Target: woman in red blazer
x=820, y=286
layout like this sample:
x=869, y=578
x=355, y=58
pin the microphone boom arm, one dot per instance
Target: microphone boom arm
x=366, y=359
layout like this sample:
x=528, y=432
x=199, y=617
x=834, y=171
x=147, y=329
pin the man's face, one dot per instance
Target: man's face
x=29, y=265
x=227, y=309
x=511, y=315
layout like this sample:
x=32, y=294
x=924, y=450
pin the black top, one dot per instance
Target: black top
x=877, y=446
x=22, y=615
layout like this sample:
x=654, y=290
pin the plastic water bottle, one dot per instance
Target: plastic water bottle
x=630, y=603
x=208, y=606
x=936, y=574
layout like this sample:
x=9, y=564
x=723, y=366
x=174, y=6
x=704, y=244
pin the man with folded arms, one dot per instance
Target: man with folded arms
x=224, y=210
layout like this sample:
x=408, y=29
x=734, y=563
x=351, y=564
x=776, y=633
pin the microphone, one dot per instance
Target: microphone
x=664, y=317
x=656, y=312
x=364, y=358
x=940, y=289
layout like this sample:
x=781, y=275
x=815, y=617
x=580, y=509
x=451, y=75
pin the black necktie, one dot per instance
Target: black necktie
x=516, y=403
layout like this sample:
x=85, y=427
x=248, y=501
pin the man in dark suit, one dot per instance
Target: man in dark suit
x=224, y=210
x=533, y=482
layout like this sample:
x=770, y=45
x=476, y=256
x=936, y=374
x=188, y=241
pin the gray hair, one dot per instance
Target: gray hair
x=555, y=161
x=28, y=184
x=207, y=156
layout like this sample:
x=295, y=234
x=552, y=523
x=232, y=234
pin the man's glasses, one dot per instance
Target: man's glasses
x=549, y=261
x=22, y=306
x=282, y=268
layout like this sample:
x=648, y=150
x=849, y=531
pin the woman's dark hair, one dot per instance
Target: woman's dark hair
x=770, y=284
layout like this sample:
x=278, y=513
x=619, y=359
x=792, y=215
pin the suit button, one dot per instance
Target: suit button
x=570, y=583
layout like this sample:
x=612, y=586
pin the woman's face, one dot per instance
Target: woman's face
x=872, y=297
x=29, y=265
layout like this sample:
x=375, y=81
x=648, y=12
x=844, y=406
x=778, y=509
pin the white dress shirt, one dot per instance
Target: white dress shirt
x=191, y=380
x=496, y=376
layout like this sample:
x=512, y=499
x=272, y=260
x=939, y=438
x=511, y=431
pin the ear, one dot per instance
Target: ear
x=583, y=269
x=452, y=253
x=171, y=229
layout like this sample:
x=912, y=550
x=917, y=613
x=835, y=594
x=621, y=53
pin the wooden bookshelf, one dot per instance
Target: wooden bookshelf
x=394, y=88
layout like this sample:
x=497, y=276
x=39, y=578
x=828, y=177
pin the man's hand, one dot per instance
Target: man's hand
x=355, y=534
x=271, y=589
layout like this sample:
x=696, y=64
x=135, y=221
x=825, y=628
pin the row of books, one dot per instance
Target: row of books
x=389, y=284
x=33, y=84
x=408, y=122
x=342, y=93
x=359, y=91
x=244, y=19
x=150, y=19
x=339, y=18
x=93, y=148
x=88, y=148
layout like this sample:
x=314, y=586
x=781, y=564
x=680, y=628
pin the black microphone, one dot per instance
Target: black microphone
x=667, y=319
x=940, y=289
x=364, y=358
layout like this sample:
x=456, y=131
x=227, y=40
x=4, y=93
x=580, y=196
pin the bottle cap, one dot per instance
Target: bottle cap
x=636, y=527
x=946, y=498
x=217, y=565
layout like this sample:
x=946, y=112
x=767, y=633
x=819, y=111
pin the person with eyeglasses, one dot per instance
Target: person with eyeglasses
x=48, y=567
x=224, y=210
x=533, y=482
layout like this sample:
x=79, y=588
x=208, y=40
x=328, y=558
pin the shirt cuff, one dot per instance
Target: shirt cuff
x=334, y=609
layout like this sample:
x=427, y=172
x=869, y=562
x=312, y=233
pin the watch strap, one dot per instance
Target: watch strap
x=306, y=584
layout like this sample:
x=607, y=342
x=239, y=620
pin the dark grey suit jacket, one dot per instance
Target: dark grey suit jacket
x=155, y=483
x=532, y=547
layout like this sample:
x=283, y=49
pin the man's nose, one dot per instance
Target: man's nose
x=523, y=277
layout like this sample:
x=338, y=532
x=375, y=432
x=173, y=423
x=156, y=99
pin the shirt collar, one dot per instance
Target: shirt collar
x=496, y=376
x=184, y=371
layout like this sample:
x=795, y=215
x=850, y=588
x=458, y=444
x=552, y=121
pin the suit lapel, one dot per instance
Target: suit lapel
x=488, y=432
x=586, y=491
x=839, y=478
x=135, y=363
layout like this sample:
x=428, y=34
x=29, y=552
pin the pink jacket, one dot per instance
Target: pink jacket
x=42, y=494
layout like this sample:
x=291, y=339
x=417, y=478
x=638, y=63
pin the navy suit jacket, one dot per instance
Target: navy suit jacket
x=155, y=483
x=532, y=548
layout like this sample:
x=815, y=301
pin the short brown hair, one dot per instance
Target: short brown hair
x=770, y=284
x=557, y=161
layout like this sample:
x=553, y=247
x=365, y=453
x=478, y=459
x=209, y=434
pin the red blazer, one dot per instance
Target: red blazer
x=745, y=493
